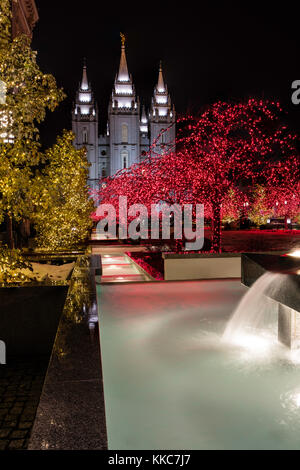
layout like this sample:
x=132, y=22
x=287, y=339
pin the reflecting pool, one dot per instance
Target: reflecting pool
x=172, y=382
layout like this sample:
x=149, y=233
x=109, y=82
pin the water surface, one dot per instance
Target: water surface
x=170, y=382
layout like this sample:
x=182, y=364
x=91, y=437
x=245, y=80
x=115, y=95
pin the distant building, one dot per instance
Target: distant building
x=24, y=17
x=130, y=130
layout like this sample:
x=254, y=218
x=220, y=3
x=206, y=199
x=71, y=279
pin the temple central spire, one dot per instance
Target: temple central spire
x=123, y=75
x=160, y=85
x=84, y=81
x=123, y=95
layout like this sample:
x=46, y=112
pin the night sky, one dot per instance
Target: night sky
x=221, y=50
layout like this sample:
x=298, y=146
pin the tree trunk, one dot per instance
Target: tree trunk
x=216, y=229
x=10, y=235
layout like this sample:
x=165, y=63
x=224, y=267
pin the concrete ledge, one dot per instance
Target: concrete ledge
x=188, y=255
x=201, y=266
x=71, y=412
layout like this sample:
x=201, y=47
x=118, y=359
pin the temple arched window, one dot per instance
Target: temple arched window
x=85, y=136
x=124, y=133
x=124, y=159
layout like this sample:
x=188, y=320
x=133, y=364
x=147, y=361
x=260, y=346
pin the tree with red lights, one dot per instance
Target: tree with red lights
x=229, y=148
x=237, y=146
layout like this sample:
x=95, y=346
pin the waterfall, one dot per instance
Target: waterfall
x=256, y=312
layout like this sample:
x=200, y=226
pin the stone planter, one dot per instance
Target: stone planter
x=29, y=317
x=179, y=267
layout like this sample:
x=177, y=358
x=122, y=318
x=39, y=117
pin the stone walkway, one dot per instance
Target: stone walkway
x=21, y=382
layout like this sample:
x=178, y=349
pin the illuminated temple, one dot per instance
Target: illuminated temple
x=131, y=130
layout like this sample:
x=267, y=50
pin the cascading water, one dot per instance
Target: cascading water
x=256, y=316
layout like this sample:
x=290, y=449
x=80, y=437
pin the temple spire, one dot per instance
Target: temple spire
x=161, y=103
x=161, y=84
x=84, y=81
x=123, y=95
x=123, y=75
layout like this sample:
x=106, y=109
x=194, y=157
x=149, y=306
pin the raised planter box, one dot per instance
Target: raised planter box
x=179, y=267
x=29, y=317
